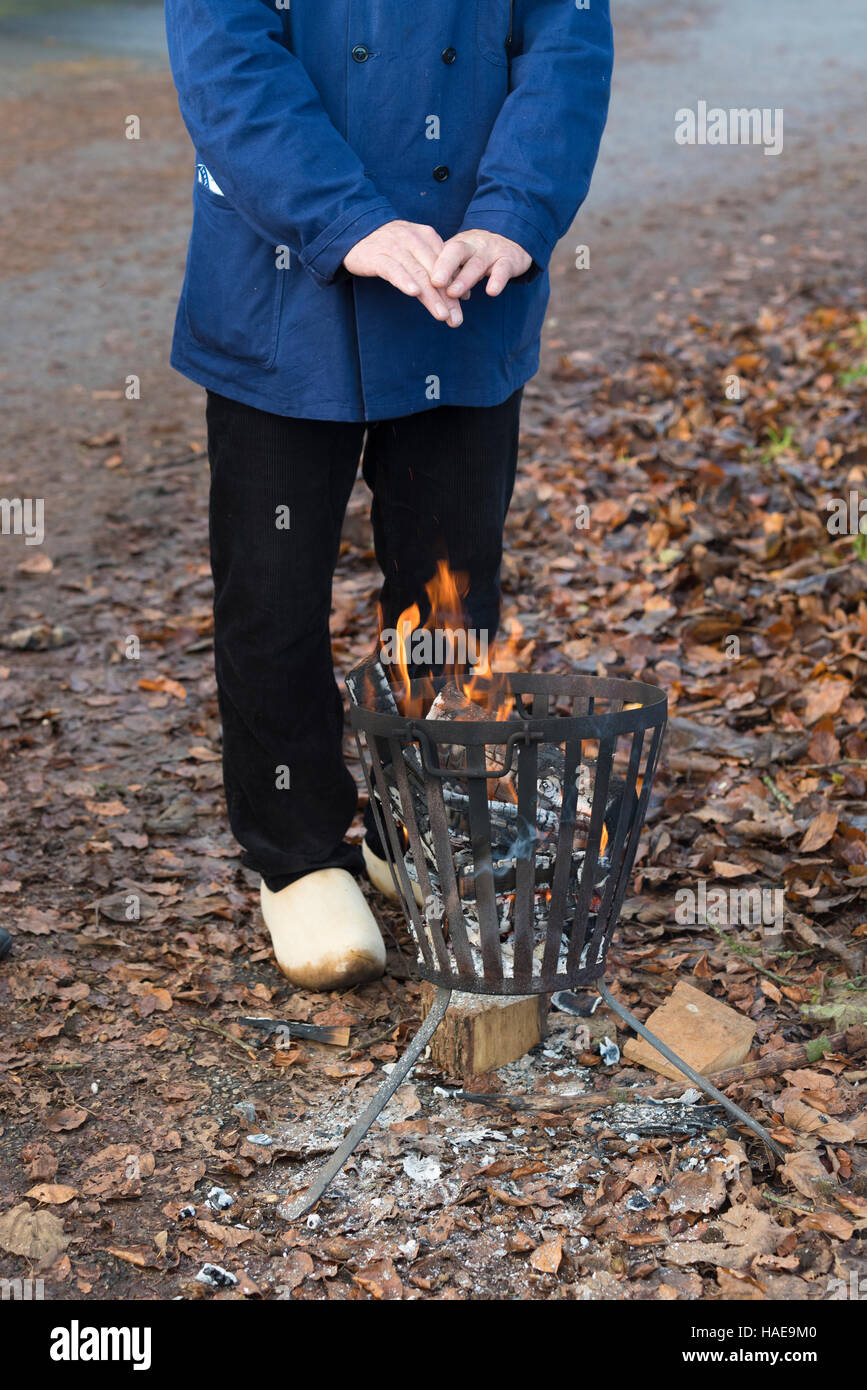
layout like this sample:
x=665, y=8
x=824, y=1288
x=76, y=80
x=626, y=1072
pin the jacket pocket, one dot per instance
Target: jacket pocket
x=492, y=30
x=525, y=307
x=234, y=289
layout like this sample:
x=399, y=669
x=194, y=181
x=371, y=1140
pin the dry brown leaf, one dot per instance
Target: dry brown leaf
x=830, y=1222
x=36, y=1234
x=55, y=1194
x=727, y=870
x=294, y=1269
x=106, y=809
x=698, y=1192
x=825, y=697
x=224, y=1235
x=138, y=1255
x=806, y=1172
x=339, y=1070
x=164, y=686
x=72, y=1117
x=546, y=1258
x=819, y=832
x=746, y=1232
x=381, y=1280
x=36, y=564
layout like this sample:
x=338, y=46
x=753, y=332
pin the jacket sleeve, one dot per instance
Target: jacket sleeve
x=536, y=169
x=257, y=122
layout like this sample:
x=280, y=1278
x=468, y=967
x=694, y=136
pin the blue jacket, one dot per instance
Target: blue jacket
x=317, y=122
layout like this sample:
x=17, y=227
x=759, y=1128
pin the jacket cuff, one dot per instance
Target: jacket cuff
x=510, y=224
x=324, y=257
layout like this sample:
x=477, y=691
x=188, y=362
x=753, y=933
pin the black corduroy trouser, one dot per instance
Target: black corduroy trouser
x=441, y=482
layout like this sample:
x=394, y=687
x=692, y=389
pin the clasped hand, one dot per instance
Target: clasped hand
x=415, y=259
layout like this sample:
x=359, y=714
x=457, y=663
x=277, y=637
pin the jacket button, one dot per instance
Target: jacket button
x=441, y=173
x=449, y=55
x=360, y=53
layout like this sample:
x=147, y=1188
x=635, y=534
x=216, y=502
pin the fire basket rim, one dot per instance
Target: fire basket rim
x=651, y=710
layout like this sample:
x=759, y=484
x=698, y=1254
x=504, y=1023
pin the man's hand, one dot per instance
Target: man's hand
x=469, y=256
x=404, y=254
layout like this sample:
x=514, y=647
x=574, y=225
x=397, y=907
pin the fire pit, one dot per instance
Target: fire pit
x=511, y=822
x=520, y=832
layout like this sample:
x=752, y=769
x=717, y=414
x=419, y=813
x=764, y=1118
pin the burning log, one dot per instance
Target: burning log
x=368, y=685
x=451, y=703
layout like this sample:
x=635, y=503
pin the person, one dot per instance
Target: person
x=378, y=191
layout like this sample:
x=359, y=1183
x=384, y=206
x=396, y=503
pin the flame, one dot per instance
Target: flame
x=480, y=681
x=406, y=626
x=485, y=686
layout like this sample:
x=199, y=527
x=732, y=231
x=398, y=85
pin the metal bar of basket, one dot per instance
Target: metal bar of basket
x=396, y=1077
x=451, y=912
x=601, y=780
x=695, y=1076
x=483, y=869
x=429, y=940
x=525, y=852
x=619, y=833
x=563, y=869
x=633, y=839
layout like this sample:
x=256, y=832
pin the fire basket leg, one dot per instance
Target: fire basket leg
x=694, y=1076
x=399, y=1073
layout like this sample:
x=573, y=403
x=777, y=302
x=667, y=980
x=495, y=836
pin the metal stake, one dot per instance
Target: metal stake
x=694, y=1076
x=399, y=1073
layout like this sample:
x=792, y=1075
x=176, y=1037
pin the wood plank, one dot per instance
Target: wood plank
x=708, y=1034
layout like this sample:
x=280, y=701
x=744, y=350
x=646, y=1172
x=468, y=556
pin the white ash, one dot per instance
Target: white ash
x=216, y=1276
x=477, y=1136
x=423, y=1170
x=638, y=1202
x=219, y=1200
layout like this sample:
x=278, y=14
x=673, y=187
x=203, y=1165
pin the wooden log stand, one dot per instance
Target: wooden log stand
x=482, y=1032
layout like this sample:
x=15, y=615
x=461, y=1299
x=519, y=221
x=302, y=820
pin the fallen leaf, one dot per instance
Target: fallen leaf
x=36, y=1234
x=55, y=1194
x=829, y=1222
x=546, y=1258
x=294, y=1269
x=164, y=686
x=381, y=1280
x=820, y=832
x=70, y=1118
x=806, y=1172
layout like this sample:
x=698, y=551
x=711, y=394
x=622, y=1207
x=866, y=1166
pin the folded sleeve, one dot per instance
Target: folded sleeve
x=258, y=124
x=536, y=169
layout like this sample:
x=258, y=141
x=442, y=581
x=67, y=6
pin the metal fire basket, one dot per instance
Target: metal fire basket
x=511, y=842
